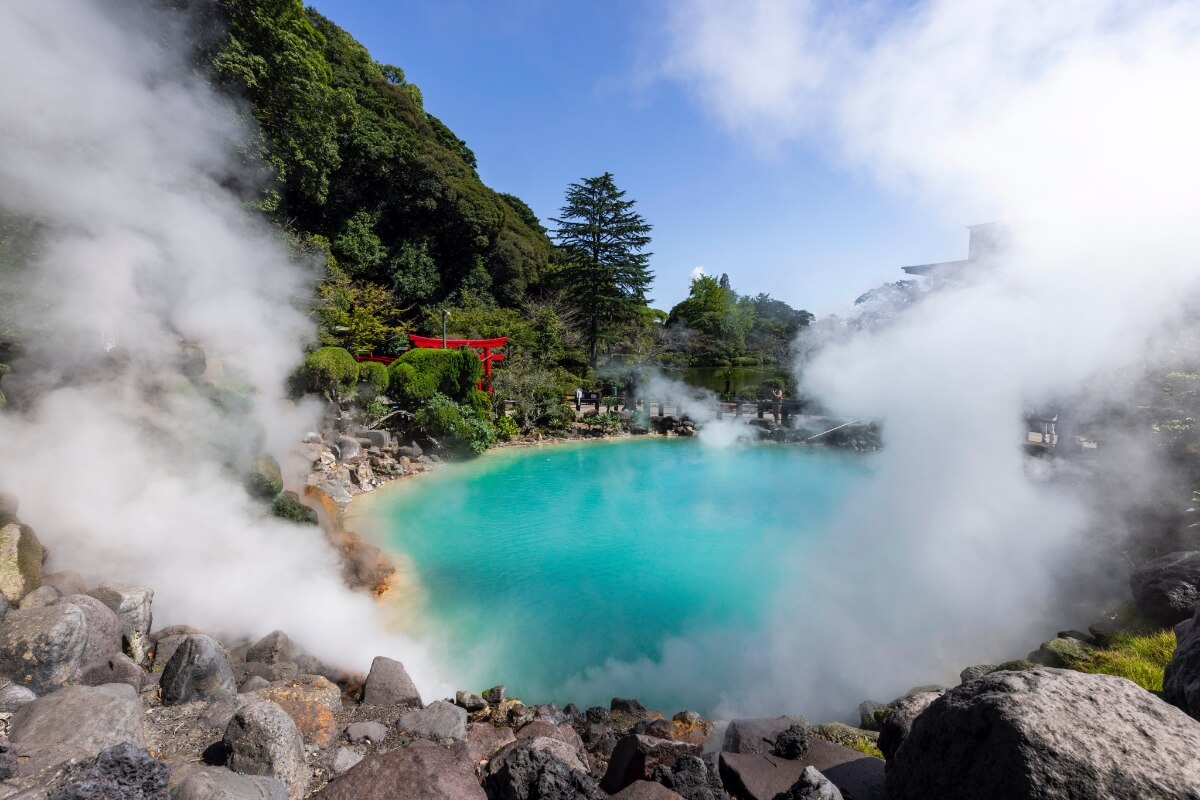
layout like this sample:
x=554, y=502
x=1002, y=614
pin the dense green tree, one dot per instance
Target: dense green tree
x=607, y=273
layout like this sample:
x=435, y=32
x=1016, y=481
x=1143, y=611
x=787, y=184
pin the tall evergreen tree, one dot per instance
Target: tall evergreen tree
x=607, y=275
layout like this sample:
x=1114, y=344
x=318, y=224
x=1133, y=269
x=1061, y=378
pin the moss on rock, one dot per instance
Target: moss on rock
x=288, y=506
x=20, y=561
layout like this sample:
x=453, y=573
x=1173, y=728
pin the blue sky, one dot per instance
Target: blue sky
x=547, y=93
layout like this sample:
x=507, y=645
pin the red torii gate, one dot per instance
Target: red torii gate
x=484, y=345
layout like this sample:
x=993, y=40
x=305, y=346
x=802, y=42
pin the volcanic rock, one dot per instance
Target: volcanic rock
x=21, y=557
x=896, y=726
x=811, y=786
x=977, y=671
x=132, y=605
x=313, y=704
x=42, y=648
x=484, y=739
x=636, y=758
x=757, y=776
x=1047, y=733
x=373, y=732
x=76, y=722
x=1167, y=589
x=117, y=668
x=1061, y=652
x=217, y=783
x=344, y=759
x=263, y=740
x=40, y=597
x=693, y=778
x=1181, y=681
x=646, y=790
x=628, y=706
x=421, y=770
x=791, y=743
x=540, y=769
x=198, y=670
x=388, y=684
x=495, y=694
x=252, y=683
x=13, y=697
x=758, y=735
x=271, y=649
x=122, y=771
x=438, y=720
x=104, y=630
x=688, y=726
x=471, y=702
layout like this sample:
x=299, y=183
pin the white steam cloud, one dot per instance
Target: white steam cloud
x=1076, y=123
x=118, y=156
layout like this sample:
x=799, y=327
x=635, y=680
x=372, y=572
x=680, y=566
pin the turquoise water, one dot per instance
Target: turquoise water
x=537, y=565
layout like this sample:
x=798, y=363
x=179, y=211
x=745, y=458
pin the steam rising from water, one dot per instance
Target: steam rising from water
x=118, y=157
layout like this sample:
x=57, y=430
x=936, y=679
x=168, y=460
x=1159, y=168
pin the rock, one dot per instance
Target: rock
x=811, y=786
x=20, y=561
x=792, y=743
x=1048, y=733
x=755, y=776
x=484, y=739
x=265, y=479
x=313, y=704
x=1078, y=636
x=495, y=694
x=411, y=450
x=132, y=605
x=1181, y=680
x=471, y=702
x=646, y=790
x=122, y=771
x=8, y=761
x=373, y=732
x=896, y=726
x=335, y=491
x=380, y=439
x=758, y=735
x=693, y=778
x=284, y=670
x=388, y=684
x=871, y=714
x=1015, y=666
x=198, y=670
x=438, y=720
x=597, y=714
x=66, y=582
x=271, y=649
x=549, y=713
x=1167, y=589
x=636, y=758
x=971, y=673
x=289, y=506
x=42, y=648
x=263, y=740
x=76, y=722
x=657, y=727
x=13, y=697
x=344, y=759
x=349, y=449
x=8, y=505
x=628, y=706
x=1061, y=653
x=117, y=668
x=218, y=783
x=164, y=648
x=688, y=726
x=4, y=607
x=540, y=769
x=40, y=597
x=253, y=683
x=104, y=630
x=421, y=771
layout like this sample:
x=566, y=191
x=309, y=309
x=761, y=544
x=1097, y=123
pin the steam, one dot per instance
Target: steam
x=117, y=160
x=1074, y=123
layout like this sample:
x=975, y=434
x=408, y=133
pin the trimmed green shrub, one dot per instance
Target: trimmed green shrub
x=507, y=428
x=421, y=373
x=457, y=425
x=375, y=375
x=328, y=370
x=481, y=402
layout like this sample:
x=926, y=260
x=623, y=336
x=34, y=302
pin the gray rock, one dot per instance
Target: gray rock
x=438, y=720
x=811, y=786
x=335, y=491
x=343, y=759
x=646, y=790
x=349, y=449
x=897, y=725
x=380, y=439
x=164, y=648
x=198, y=670
x=263, y=740
x=791, y=743
x=870, y=713
x=121, y=771
x=758, y=735
x=1048, y=733
x=117, y=668
x=76, y=722
x=469, y=701
x=1061, y=652
x=42, y=648
x=218, y=783
x=388, y=684
x=1181, y=681
x=495, y=694
x=531, y=769
x=757, y=776
x=637, y=757
x=253, y=683
x=1167, y=589
x=977, y=671
x=218, y=713
x=281, y=671
x=4, y=607
x=271, y=649
x=133, y=607
x=66, y=582
x=628, y=706
x=21, y=557
x=13, y=697
x=693, y=778
x=40, y=597
x=104, y=630
x=373, y=732
x=422, y=770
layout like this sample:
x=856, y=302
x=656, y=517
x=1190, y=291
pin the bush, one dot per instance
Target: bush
x=507, y=428
x=375, y=375
x=459, y=425
x=421, y=373
x=328, y=370
x=481, y=402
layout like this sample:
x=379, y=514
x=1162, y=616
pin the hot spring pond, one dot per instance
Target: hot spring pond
x=539, y=567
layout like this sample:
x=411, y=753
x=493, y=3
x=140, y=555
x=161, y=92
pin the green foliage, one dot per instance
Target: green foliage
x=1140, y=657
x=607, y=273
x=375, y=375
x=358, y=248
x=421, y=373
x=330, y=371
x=361, y=317
x=459, y=426
x=288, y=506
x=507, y=428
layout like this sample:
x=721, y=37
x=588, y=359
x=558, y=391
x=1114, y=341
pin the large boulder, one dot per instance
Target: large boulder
x=484, y=739
x=646, y=790
x=1047, y=734
x=693, y=778
x=21, y=558
x=758, y=735
x=761, y=776
x=421, y=770
x=76, y=722
x=42, y=648
x=388, y=684
x=117, y=668
x=1167, y=589
x=438, y=720
x=896, y=726
x=271, y=649
x=637, y=757
x=262, y=740
x=124, y=770
x=13, y=697
x=811, y=786
x=540, y=768
x=313, y=704
x=198, y=670
x=1181, y=681
x=104, y=630
x=196, y=782
x=132, y=605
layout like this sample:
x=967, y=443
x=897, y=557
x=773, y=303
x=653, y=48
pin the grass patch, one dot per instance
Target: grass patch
x=1139, y=657
x=846, y=736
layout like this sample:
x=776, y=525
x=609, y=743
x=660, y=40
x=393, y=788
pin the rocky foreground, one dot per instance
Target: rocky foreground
x=97, y=703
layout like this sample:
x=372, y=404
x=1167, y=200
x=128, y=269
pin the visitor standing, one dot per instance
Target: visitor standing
x=578, y=399
x=778, y=395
